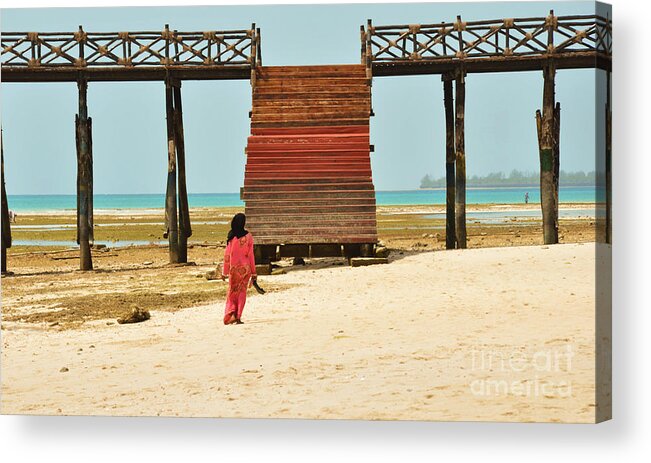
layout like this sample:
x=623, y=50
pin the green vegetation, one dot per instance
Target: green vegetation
x=516, y=178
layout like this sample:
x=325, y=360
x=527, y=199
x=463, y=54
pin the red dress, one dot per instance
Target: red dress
x=239, y=267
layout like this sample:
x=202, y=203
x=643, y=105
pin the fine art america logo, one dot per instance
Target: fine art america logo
x=542, y=373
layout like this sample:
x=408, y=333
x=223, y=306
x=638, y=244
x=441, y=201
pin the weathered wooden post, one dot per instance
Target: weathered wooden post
x=84, y=176
x=185, y=230
x=258, y=53
x=91, y=212
x=448, y=100
x=6, y=226
x=460, y=160
x=557, y=157
x=548, y=191
x=362, y=35
x=253, y=59
x=546, y=124
x=609, y=140
x=369, y=51
x=171, y=216
x=557, y=164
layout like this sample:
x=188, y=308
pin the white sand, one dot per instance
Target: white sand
x=485, y=334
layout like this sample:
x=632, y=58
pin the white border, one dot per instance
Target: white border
x=625, y=438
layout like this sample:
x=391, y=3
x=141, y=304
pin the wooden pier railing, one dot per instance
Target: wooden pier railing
x=149, y=55
x=512, y=44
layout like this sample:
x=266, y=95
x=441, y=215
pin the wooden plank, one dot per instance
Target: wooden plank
x=312, y=232
x=312, y=168
x=311, y=95
x=334, y=132
x=270, y=104
x=311, y=70
x=307, y=194
x=334, y=239
x=282, y=210
x=314, y=183
x=298, y=157
x=299, y=203
x=307, y=80
x=307, y=189
x=319, y=216
x=355, y=121
x=341, y=146
x=319, y=83
x=364, y=261
x=351, y=223
x=303, y=114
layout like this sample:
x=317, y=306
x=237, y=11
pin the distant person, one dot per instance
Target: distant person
x=12, y=216
x=239, y=268
x=526, y=198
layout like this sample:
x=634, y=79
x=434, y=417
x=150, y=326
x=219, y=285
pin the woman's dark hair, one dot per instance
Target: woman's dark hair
x=237, y=227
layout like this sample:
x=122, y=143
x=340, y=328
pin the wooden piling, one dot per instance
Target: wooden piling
x=91, y=212
x=460, y=161
x=548, y=191
x=557, y=152
x=171, y=216
x=185, y=229
x=448, y=99
x=6, y=226
x=84, y=176
x=609, y=116
x=557, y=161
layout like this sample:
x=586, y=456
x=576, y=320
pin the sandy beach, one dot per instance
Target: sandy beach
x=501, y=334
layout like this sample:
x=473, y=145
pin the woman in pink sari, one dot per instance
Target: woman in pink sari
x=239, y=267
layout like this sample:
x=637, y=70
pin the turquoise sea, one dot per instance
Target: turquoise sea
x=42, y=203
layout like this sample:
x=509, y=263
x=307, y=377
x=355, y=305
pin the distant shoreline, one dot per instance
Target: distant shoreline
x=154, y=203
x=468, y=186
x=500, y=187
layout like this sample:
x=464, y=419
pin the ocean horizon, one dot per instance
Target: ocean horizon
x=474, y=195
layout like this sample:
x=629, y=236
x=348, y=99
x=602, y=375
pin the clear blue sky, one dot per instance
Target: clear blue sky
x=129, y=137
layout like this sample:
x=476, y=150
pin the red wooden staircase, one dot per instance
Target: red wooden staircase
x=308, y=188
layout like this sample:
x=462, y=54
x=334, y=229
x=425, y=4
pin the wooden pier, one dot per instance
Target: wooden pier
x=308, y=184
x=168, y=56
x=456, y=49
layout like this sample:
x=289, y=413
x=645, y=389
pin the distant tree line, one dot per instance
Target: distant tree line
x=516, y=178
